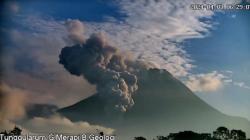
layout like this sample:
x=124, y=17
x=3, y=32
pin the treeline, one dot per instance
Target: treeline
x=15, y=132
x=221, y=133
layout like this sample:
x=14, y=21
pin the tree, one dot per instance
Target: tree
x=238, y=135
x=140, y=138
x=101, y=134
x=162, y=138
x=16, y=132
x=188, y=135
x=221, y=133
x=5, y=133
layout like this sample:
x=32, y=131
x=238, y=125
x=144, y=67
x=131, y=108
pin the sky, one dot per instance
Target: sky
x=226, y=50
x=207, y=50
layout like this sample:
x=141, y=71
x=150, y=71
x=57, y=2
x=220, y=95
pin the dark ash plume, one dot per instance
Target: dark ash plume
x=102, y=65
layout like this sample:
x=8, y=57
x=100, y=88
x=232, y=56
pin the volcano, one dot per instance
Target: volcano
x=163, y=105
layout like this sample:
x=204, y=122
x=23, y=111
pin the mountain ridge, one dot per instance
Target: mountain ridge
x=162, y=103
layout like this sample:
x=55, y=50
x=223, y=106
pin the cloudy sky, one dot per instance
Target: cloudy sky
x=207, y=50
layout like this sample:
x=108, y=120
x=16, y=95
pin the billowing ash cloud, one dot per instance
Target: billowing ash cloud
x=103, y=65
x=12, y=106
x=75, y=30
x=12, y=103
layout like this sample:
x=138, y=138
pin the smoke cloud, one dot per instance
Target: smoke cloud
x=12, y=106
x=12, y=103
x=75, y=30
x=14, y=110
x=103, y=65
x=59, y=124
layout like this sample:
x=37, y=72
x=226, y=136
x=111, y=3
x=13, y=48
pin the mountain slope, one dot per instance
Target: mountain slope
x=162, y=105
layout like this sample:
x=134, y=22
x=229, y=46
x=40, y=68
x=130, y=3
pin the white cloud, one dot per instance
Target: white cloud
x=213, y=81
x=233, y=16
x=228, y=81
x=205, y=82
x=241, y=85
x=152, y=30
